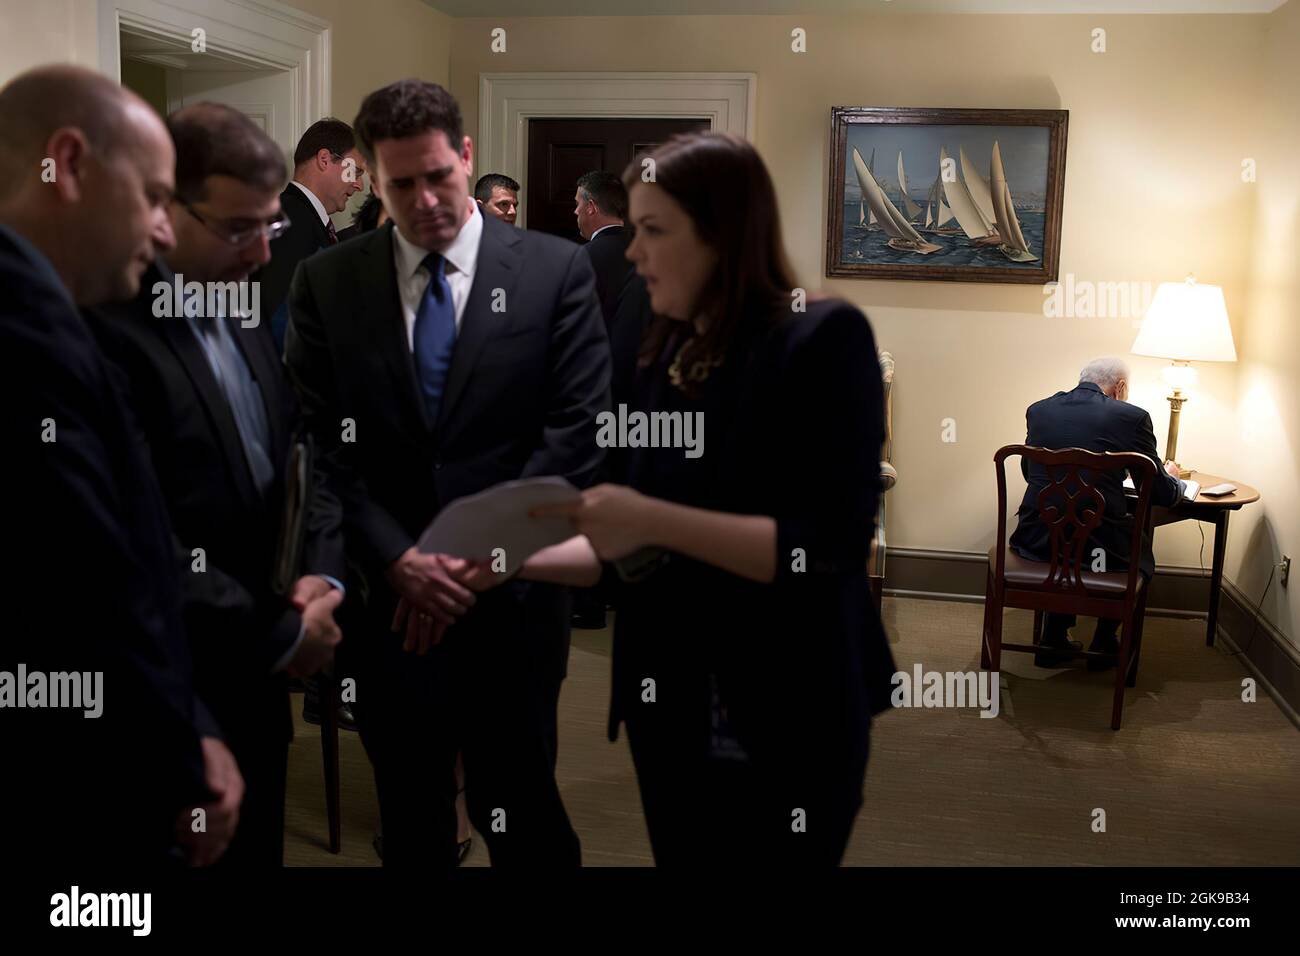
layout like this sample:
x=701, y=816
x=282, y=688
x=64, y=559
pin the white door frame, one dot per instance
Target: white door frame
x=260, y=33
x=507, y=101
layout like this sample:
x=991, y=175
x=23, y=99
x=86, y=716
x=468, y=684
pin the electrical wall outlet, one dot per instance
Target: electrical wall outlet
x=1286, y=569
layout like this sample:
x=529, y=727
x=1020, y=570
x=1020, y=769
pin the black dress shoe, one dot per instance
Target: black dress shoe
x=1109, y=646
x=311, y=713
x=1057, y=650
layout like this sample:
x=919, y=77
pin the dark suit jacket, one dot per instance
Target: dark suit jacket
x=608, y=253
x=238, y=627
x=521, y=396
x=625, y=305
x=1086, y=418
x=305, y=236
x=91, y=586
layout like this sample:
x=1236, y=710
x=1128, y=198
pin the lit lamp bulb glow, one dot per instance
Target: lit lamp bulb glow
x=1180, y=375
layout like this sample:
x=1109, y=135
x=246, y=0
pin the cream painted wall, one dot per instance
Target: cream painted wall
x=379, y=42
x=1158, y=128
x=46, y=32
x=1268, y=383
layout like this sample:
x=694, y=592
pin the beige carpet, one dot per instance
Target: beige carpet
x=1195, y=777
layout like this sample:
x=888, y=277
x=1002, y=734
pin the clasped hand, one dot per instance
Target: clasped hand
x=436, y=589
x=432, y=593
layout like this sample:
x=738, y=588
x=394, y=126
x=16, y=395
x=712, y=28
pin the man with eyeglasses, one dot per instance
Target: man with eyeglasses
x=223, y=430
x=327, y=171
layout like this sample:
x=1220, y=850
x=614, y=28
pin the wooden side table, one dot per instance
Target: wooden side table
x=1214, y=511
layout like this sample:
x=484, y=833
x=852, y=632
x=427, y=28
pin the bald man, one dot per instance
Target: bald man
x=108, y=754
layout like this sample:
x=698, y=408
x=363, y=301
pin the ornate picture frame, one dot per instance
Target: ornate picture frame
x=962, y=195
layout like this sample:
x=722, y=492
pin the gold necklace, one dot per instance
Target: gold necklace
x=699, y=369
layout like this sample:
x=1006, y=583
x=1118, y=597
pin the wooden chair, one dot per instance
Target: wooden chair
x=888, y=478
x=1071, y=508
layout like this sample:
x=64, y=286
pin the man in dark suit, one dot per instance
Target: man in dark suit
x=327, y=171
x=222, y=423
x=600, y=206
x=86, y=169
x=1096, y=417
x=435, y=358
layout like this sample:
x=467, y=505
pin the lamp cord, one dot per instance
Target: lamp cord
x=1259, y=613
x=1259, y=608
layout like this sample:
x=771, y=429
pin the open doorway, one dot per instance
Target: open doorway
x=266, y=59
x=561, y=150
x=169, y=74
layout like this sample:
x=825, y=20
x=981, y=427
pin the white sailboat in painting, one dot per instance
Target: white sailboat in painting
x=937, y=214
x=978, y=227
x=867, y=218
x=978, y=187
x=903, y=236
x=1013, y=244
x=910, y=209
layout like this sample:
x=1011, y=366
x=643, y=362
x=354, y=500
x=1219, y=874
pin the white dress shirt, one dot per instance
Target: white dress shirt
x=413, y=277
x=315, y=203
x=603, y=228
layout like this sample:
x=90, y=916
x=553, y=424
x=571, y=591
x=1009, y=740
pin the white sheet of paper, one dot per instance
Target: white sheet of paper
x=1190, y=488
x=476, y=525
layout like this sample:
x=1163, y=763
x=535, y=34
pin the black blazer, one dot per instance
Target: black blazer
x=305, y=236
x=521, y=397
x=625, y=304
x=794, y=421
x=608, y=254
x=238, y=627
x=91, y=586
x=1087, y=418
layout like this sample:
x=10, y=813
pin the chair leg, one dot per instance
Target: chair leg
x=1121, y=669
x=1038, y=627
x=995, y=633
x=984, y=634
x=1139, y=617
x=329, y=749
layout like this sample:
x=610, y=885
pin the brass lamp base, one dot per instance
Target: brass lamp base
x=1171, y=446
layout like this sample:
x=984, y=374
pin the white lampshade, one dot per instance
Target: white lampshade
x=1187, y=322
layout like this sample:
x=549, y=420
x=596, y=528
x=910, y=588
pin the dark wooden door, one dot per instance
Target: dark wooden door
x=561, y=150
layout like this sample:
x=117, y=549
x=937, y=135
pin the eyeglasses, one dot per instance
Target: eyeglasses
x=243, y=236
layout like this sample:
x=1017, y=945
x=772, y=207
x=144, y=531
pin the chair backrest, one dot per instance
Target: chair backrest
x=1071, y=506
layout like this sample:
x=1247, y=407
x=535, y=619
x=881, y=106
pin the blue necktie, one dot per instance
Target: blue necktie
x=435, y=334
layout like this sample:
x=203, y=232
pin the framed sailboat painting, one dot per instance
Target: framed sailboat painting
x=965, y=195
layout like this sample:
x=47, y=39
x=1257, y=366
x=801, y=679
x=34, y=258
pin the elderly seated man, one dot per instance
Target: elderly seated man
x=1094, y=416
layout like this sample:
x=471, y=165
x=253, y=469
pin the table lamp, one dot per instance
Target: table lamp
x=1187, y=322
